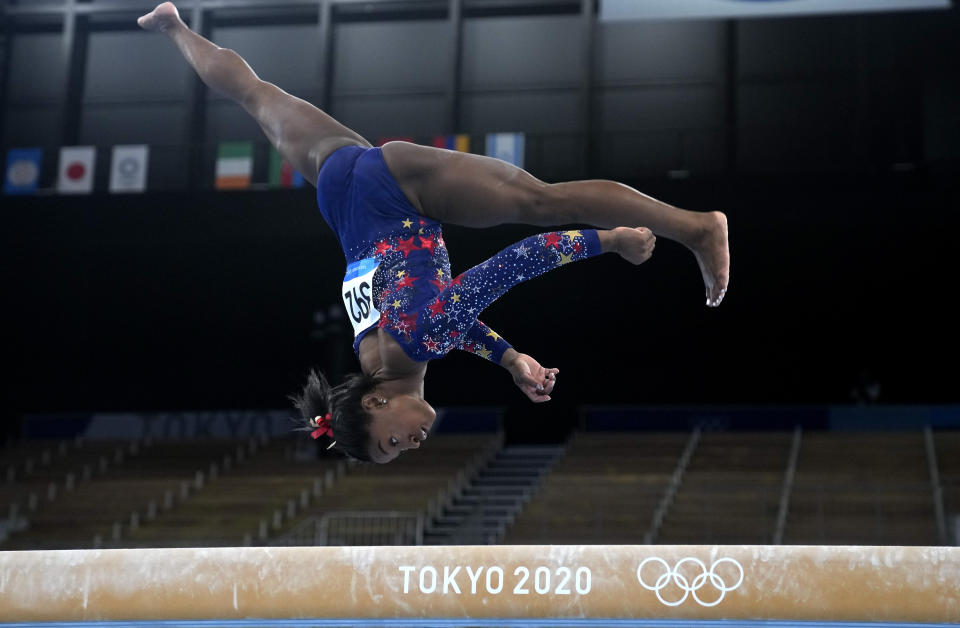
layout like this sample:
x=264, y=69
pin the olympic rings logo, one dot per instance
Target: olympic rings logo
x=689, y=587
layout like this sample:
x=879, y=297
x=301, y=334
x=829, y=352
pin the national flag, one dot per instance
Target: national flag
x=460, y=142
x=282, y=174
x=128, y=169
x=234, y=165
x=23, y=170
x=506, y=146
x=75, y=175
x=384, y=140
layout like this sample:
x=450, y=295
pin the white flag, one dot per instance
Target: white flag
x=506, y=146
x=128, y=170
x=76, y=169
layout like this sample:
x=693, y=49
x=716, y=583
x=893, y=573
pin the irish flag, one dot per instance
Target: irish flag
x=234, y=165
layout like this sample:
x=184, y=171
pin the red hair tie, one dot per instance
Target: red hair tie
x=323, y=426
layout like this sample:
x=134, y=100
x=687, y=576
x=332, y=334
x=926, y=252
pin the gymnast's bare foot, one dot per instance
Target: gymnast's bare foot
x=634, y=245
x=712, y=250
x=160, y=19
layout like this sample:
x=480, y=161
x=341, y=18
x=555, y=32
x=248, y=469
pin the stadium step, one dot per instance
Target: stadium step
x=494, y=496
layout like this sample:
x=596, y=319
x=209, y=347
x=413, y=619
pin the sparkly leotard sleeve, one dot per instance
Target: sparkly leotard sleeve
x=420, y=304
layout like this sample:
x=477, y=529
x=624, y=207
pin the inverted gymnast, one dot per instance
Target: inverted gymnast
x=386, y=206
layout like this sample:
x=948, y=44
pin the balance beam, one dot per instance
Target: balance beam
x=839, y=583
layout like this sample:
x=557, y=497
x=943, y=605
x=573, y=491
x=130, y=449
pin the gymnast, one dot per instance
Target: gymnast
x=387, y=204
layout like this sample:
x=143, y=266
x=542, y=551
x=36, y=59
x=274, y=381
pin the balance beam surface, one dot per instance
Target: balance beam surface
x=709, y=583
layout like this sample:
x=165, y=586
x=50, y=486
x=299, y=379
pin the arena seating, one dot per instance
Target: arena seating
x=231, y=506
x=862, y=488
x=948, y=458
x=603, y=491
x=731, y=490
x=866, y=488
x=134, y=476
x=32, y=466
x=408, y=484
x=850, y=488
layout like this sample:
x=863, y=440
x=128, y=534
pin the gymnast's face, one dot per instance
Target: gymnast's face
x=397, y=424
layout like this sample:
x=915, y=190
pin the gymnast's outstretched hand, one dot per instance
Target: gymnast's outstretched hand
x=535, y=381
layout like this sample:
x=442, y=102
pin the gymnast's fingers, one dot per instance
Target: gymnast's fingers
x=535, y=394
x=531, y=382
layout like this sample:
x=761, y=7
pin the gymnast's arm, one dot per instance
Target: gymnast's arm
x=535, y=381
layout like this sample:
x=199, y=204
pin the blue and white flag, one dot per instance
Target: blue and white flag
x=128, y=168
x=23, y=170
x=507, y=147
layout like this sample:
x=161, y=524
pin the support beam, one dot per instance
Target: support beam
x=660, y=512
x=6, y=51
x=196, y=128
x=746, y=583
x=325, y=33
x=934, y=469
x=587, y=55
x=74, y=49
x=454, y=82
x=786, y=491
x=731, y=131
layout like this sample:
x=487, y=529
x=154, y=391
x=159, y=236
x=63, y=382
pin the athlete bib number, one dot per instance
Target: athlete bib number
x=358, y=294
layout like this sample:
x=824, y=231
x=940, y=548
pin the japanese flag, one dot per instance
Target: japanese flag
x=75, y=175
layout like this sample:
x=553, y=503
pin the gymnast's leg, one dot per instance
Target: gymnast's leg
x=303, y=134
x=477, y=191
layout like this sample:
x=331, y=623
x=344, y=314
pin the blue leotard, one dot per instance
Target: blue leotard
x=427, y=310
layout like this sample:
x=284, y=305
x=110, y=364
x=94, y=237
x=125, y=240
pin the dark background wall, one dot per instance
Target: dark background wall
x=831, y=142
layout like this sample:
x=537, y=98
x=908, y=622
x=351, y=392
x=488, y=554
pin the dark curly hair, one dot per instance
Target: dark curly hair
x=349, y=420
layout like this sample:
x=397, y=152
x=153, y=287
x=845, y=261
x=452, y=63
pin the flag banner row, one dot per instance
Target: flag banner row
x=508, y=147
x=75, y=170
x=128, y=169
x=233, y=170
x=235, y=163
x=129, y=165
x=459, y=142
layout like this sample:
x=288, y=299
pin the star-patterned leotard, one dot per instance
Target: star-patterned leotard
x=427, y=310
